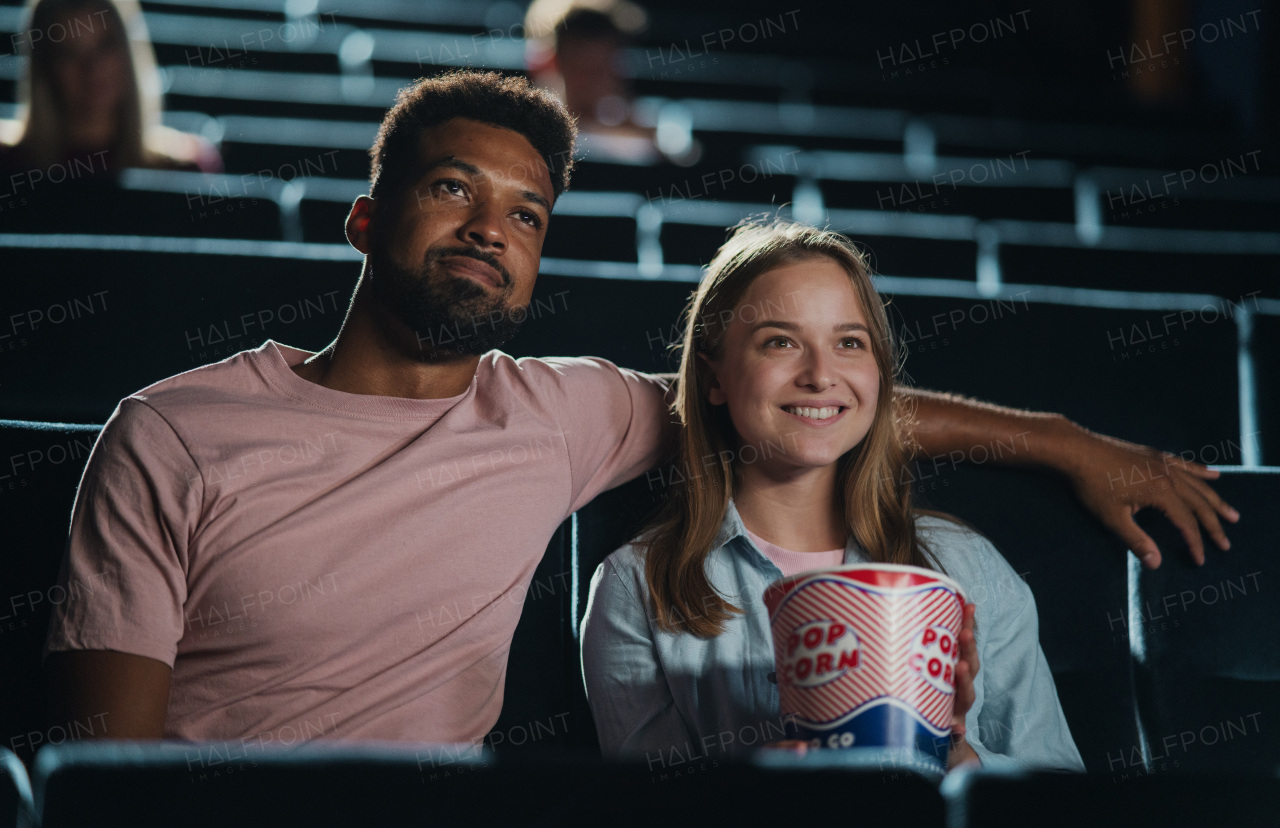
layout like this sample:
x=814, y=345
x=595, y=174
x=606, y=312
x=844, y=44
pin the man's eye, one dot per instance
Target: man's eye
x=450, y=186
x=530, y=218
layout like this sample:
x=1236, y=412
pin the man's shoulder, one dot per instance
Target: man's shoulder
x=237, y=375
x=499, y=365
x=556, y=380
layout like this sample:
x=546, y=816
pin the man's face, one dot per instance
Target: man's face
x=454, y=255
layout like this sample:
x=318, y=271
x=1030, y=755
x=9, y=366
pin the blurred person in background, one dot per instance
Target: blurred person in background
x=575, y=48
x=90, y=92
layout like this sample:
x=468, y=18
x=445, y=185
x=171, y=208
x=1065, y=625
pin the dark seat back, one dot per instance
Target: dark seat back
x=161, y=313
x=1076, y=570
x=1012, y=351
x=995, y=799
x=42, y=464
x=210, y=785
x=16, y=809
x=1205, y=653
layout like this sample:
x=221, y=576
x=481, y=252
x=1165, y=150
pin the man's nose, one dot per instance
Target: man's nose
x=484, y=228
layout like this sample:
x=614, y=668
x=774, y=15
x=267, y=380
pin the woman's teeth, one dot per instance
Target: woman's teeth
x=811, y=413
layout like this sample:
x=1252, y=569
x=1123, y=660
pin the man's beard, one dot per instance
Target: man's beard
x=450, y=315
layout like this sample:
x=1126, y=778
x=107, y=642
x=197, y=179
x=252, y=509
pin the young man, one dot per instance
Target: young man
x=290, y=545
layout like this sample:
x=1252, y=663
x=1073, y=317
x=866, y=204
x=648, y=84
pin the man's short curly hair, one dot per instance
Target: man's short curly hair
x=509, y=102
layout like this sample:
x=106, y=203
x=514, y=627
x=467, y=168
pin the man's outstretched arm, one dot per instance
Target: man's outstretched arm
x=118, y=695
x=1098, y=467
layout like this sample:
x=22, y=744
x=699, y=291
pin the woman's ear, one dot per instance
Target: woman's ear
x=711, y=381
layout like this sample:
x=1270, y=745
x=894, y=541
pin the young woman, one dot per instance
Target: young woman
x=90, y=94
x=791, y=460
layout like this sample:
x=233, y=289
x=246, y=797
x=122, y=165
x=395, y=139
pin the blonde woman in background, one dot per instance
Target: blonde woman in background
x=89, y=95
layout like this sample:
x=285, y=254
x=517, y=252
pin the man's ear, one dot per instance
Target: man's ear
x=358, y=223
x=711, y=381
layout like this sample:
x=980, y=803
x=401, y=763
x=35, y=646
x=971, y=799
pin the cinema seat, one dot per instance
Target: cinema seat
x=1232, y=272
x=174, y=204
x=900, y=255
x=1206, y=659
x=925, y=195
x=1266, y=370
x=1076, y=570
x=1012, y=799
x=1024, y=350
x=16, y=809
x=105, y=320
x=211, y=785
x=109, y=784
x=42, y=464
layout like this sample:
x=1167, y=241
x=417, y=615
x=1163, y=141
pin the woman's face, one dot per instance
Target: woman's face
x=89, y=63
x=796, y=369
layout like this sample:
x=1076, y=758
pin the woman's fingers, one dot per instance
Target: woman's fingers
x=966, y=669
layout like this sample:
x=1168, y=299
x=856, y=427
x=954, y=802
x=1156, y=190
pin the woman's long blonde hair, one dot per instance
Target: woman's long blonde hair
x=874, y=484
x=140, y=141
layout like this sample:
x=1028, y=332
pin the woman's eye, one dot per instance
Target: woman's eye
x=852, y=342
x=778, y=342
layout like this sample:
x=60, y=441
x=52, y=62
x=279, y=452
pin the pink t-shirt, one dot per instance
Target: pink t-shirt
x=792, y=562
x=316, y=563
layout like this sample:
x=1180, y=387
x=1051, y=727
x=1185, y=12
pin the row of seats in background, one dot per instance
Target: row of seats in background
x=90, y=319
x=941, y=195
x=269, y=56
x=930, y=216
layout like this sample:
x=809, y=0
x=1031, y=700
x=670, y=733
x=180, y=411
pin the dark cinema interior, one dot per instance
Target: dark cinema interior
x=1070, y=207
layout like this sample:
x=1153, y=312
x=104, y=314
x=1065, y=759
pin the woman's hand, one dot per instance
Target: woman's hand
x=966, y=671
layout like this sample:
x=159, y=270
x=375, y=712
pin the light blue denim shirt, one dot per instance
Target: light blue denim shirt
x=660, y=694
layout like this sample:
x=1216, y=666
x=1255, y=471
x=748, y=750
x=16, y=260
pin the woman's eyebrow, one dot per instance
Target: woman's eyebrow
x=791, y=326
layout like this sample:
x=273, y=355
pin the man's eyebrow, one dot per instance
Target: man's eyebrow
x=452, y=162
x=791, y=326
x=530, y=195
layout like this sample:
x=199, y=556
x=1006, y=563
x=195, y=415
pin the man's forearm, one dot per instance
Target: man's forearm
x=959, y=429
x=953, y=430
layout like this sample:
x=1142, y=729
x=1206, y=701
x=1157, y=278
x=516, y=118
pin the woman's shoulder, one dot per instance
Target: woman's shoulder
x=971, y=559
x=627, y=564
x=944, y=533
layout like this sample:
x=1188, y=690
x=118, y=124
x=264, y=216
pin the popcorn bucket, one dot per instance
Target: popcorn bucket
x=866, y=656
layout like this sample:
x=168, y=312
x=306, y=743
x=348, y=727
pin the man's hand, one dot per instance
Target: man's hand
x=966, y=671
x=1115, y=479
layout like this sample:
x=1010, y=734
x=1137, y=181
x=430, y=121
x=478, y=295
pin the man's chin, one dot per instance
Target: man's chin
x=464, y=335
